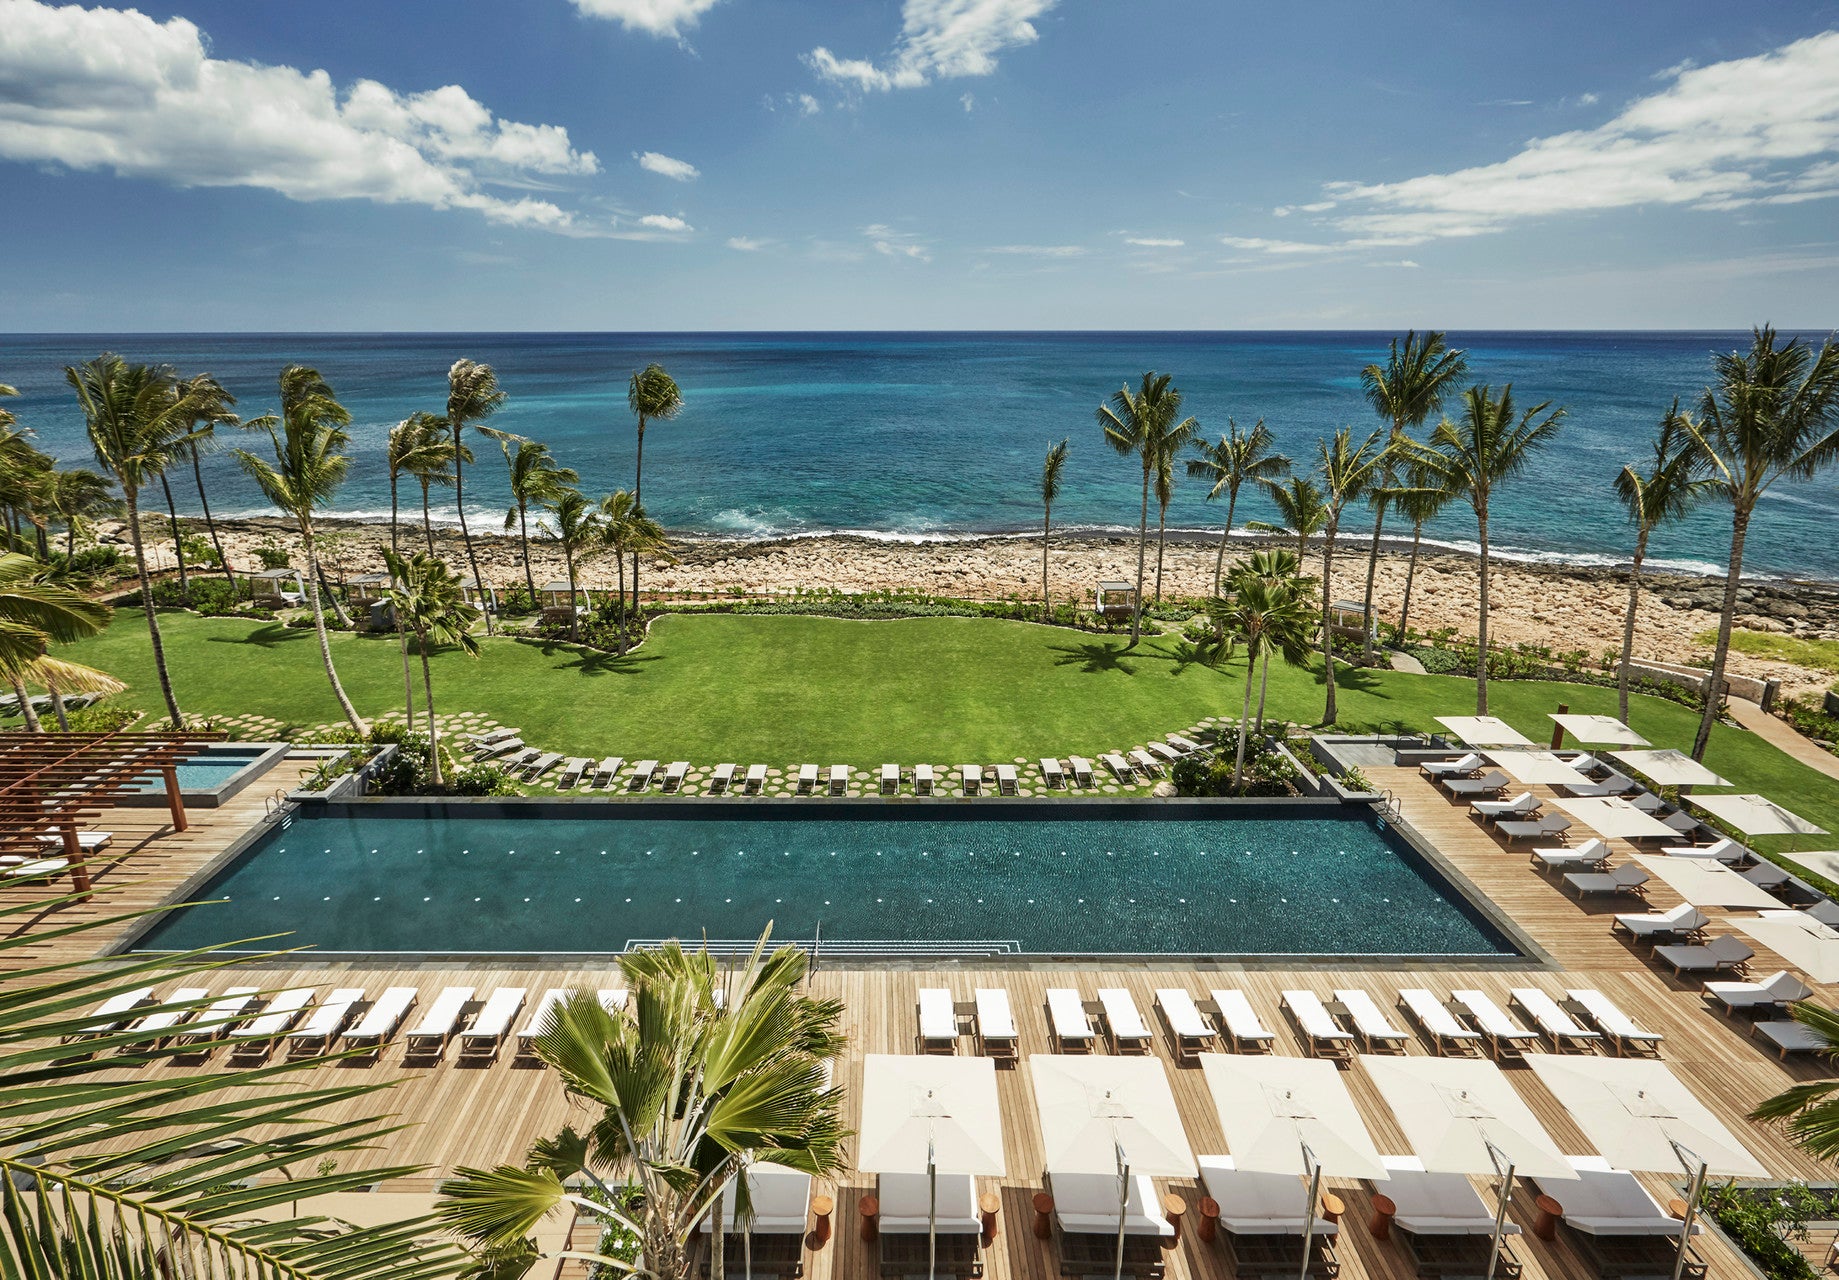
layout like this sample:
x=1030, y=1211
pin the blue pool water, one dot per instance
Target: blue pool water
x=1064, y=880
x=204, y=773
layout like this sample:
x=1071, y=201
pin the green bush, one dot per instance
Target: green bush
x=199, y=551
x=100, y=717
x=1809, y=718
x=481, y=780
x=273, y=557
x=333, y=621
x=516, y=602
x=1767, y=1222
x=1266, y=772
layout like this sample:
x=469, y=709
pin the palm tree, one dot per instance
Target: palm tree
x=34, y=615
x=1270, y=616
x=1349, y=472
x=651, y=393
x=472, y=397
x=430, y=601
x=625, y=530
x=1419, y=500
x=1051, y=468
x=418, y=446
x=715, y=1071
x=1476, y=455
x=1279, y=565
x=78, y=496
x=1773, y=413
x=1669, y=489
x=1144, y=423
x=1165, y=493
x=1405, y=391
x=25, y=484
x=137, y=417
x=308, y=436
x=212, y=411
x=1301, y=510
x=1238, y=456
x=536, y=480
x=1810, y=1111
x=574, y=526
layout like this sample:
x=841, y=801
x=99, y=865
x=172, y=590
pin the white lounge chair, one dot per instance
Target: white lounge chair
x=970, y=779
x=541, y=765
x=922, y=780
x=1679, y=923
x=1591, y=855
x=1490, y=783
x=160, y=1024
x=1006, y=784
x=890, y=779
x=380, y=1021
x=488, y=739
x=721, y=782
x=324, y=1024
x=538, y=1021
x=1187, y=746
x=781, y=1202
x=1603, y=1201
x=1124, y=1026
x=1144, y=762
x=608, y=770
x=674, y=776
x=613, y=999
x=1615, y=784
x=1627, y=878
x=807, y=779
x=1565, y=1032
x=1082, y=771
x=492, y=1023
x=1370, y=1021
x=1505, y=1038
x=1086, y=1204
x=1066, y=1016
x=1727, y=851
x=1241, y=1022
x=1623, y=1031
x=1162, y=751
x=639, y=779
x=429, y=1036
x=1259, y=1204
x=1119, y=767
x=938, y=1021
x=1790, y=1037
x=1444, y=1205
x=1461, y=767
x=513, y=747
x=1524, y=805
x=1777, y=991
x=997, y=1036
x=1446, y=1034
x=1550, y=827
x=756, y=779
x=257, y=1037
x=213, y=1022
x=1191, y=1031
x=911, y=1201
x=839, y=779
x=1323, y=1037
x=572, y=769
x=1053, y=777
x=1726, y=951
x=87, y=841
x=110, y=1014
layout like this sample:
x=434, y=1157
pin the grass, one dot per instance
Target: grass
x=779, y=689
x=1820, y=655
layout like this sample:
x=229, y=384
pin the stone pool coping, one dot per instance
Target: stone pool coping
x=266, y=756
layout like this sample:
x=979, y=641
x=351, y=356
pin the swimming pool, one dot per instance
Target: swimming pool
x=211, y=775
x=1025, y=878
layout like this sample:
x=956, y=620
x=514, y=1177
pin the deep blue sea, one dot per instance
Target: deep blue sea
x=941, y=434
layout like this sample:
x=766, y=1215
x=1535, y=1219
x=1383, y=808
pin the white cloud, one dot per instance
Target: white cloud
x=896, y=244
x=664, y=222
x=747, y=244
x=1256, y=244
x=939, y=40
x=1761, y=129
x=968, y=101
x=114, y=90
x=656, y=162
x=654, y=17
x=1588, y=99
x=1039, y=250
x=807, y=105
x=1154, y=242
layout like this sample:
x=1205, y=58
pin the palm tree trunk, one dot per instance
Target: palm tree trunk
x=319, y=629
x=178, y=543
x=1328, y=635
x=1411, y=573
x=1136, y=607
x=459, y=502
x=25, y=706
x=1481, y=659
x=434, y=727
x=1245, y=727
x=1714, y=686
x=427, y=521
x=395, y=541
x=70, y=537
x=568, y=558
x=1628, y=626
x=408, y=683
x=638, y=489
x=620, y=562
x=146, y=602
x=1047, y=605
x=523, y=533
x=1219, y=561
x=210, y=524
x=1264, y=688
x=57, y=706
x=338, y=607
x=1162, y=537
x=1372, y=571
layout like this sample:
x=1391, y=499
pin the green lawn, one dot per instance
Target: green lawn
x=777, y=689
x=1821, y=655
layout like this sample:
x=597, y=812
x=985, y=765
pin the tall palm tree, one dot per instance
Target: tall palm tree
x=574, y=527
x=1669, y=488
x=1268, y=616
x=1472, y=457
x=1301, y=510
x=651, y=394
x=430, y=602
x=308, y=437
x=1227, y=464
x=472, y=397
x=1773, y=413
x=1145, y=423
x=419, y=446
x=715, y=1071
x=79, y=495
x=137, y=417
x=1051, y=467
x=536, y=481
x=625, y=530
x=1349, y=473
x=1277, y=565
x=1405, y=391
x=1420, y=497
x=212, y=411
x=34, y=615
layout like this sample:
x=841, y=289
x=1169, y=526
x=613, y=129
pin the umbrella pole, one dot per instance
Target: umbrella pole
x=932, y=1210
x=1315, y=1190
x=1123, y=1206
x=1692, y=1208
x=1502, y=1198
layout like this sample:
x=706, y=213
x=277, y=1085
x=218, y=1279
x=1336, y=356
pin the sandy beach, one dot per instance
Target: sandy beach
x=1562, y=607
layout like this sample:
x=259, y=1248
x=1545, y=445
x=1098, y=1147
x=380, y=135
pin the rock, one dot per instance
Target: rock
x=1164, y=790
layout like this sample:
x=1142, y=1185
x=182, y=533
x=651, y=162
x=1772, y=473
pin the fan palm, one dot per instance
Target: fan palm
x=1268, y=616
x=574, y=526
x=1405, y=391
x=473, y=396
x=137, y=417
x=78, y=496
x=1774, y=412
x=308, y=437
x=1273, y=564
x=1349, y=472
x=1474, y=456
x=1227, y=464
x=537, y=481
x=1301, y=509
x=186, y=1184
x=651, y=394
x=1810, y=1111
x=418, y=446
x=1670, y=487
x=25, y=478
x=1145, y=423
x=715, y=1070
x=34, y=615
x=1419, y=499
x=625, y=530
x=212, y=411
x=1051, y=467
x=430, y=602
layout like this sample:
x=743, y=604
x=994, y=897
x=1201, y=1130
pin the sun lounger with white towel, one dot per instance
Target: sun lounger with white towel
x=997, y=1036
x=1370, y=1022
x=922, y=779
x=258, y=1036
x=1491, y=783
x=1241, y=1022
x=607, y=770
x=323, y=1025
x=839, y=779
x=538, y=1020
x=1626, y=878
x=382, y=1018
x=109, y=1015
x=1609, y=1202
x=1082, y=770
x=1256, y=1204
x=1505, y=1038
x=1006, y=783
x=1726, y=951
x=1052, y=775
x=1066, y=1016
x=1727, y=851
x=1460, y=767
x=807, y=779
x=613, y=999
x=639, y=779
x=1443, y=1205
x=572, y=769
x=1623, y=1031
x=781, y=1202
x=1446, y=1034
x=1124, y=1026
x=214, y=1021
x=1085, y=1204
x=1683, y=921
x=910, y=1202
x=938, y=1021
x=1777, y=991
x=675, y=774
x=1591, y=855
x=428, y=1037
x=721, y=782
x=492, y=1023
x=1192, y=1033
x=1323, y=1036
x=1524, y=805
x=1551, y=827
x=1790, y=1037
x=1564, y=1031
x=173, y=1010
x=756, y=778
x=1118, y=766
x=890, y=779
x=970, y=779
x=87, y=841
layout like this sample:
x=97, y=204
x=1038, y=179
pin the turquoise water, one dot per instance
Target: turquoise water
x=203, y=773
x=1077, y=879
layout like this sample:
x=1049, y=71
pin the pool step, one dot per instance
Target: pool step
x=831, y=947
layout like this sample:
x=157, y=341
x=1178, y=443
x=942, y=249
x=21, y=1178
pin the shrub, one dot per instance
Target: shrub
x=333, y=621
x=1266, y=772
x=273, y=557
x=1767, y=1222
x=199, y=551
x=100, y=717
x=1354, y=780
x=1808, y=716
x=516, y=602
x=98, y=564
x=481, y=780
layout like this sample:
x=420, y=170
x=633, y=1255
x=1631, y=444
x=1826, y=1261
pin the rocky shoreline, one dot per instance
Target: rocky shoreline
x=1560, y=606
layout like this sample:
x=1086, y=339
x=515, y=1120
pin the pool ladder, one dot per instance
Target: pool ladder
x=276, y=807
x=1388, y=807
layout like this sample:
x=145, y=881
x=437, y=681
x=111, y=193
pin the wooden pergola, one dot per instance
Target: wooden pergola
x=49, y=782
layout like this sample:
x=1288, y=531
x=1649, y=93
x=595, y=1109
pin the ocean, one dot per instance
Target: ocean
x=939, y=435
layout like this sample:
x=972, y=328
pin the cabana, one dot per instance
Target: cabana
x=1349, y=618
x=479, y=594
x=366, y=588
x=1116, y=599
x=554, y=595
x=284, y=583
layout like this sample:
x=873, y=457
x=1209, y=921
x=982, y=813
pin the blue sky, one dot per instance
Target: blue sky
x=772, y=164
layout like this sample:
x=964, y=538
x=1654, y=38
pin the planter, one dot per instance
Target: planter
x=1347, y=796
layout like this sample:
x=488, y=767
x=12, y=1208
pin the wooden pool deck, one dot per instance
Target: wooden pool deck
x=466, y=1114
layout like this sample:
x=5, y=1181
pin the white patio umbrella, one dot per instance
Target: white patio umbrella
x=1485, y=731
x=1109, y=1115
x=1537, y=766
x=1615, y=817
x=1639, y=1115
x=1289, y=1115
x=1462, y=1115
x=1669, y=768
x=1757, y=816
x=1599, y=730
x=930, y=1115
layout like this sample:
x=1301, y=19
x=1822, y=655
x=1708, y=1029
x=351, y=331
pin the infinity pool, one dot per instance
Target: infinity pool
x=1041, y=878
